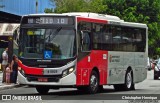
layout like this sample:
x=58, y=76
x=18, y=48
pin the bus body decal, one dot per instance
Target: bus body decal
x=98, y=59
x=91, y=20
x=31, y=70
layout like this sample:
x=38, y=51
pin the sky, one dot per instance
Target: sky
x=23, y=7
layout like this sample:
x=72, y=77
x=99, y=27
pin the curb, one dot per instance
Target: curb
x=4, y=87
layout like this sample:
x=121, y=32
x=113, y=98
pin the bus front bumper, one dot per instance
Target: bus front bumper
x=68, y=80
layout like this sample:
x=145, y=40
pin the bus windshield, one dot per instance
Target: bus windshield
x=55, y=43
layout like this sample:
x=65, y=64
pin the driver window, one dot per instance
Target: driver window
x=84, y=36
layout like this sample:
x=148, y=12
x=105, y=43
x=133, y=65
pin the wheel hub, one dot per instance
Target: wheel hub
x=129, y=80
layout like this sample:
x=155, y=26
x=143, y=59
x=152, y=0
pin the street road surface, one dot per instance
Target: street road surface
x=71, y=95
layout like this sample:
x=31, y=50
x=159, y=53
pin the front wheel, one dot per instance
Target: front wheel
x=93, y=83
x=42, y=89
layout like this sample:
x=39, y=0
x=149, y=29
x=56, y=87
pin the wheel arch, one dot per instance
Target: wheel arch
x=91, y=87
x=96, y=69
x=130, y=69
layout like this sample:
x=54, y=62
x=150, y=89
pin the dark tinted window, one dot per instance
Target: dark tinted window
x=84, y=36
x=140, y=40
x=127, y=39
x=97, y=36
x=115, y=38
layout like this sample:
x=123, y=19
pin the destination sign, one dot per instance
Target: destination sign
x=48, y=20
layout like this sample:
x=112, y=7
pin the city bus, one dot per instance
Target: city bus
x=81, y=50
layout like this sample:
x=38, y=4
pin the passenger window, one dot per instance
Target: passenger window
x=86, y=41
x=116, y=38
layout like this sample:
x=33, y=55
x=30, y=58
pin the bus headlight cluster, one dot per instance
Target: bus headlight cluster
x=67, y=71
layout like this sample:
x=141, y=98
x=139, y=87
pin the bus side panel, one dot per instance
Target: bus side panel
x=116, y=70
x=144, y=70
x=83, y=67
x=119, y=62
x=140, y=67
x=97, y=59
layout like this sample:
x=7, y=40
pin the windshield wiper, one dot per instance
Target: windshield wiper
x=53, y=33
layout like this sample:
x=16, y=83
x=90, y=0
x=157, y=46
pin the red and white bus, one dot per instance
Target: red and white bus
x=81, y=50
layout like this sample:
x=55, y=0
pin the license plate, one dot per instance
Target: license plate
x=43, y=79
x=50, y=72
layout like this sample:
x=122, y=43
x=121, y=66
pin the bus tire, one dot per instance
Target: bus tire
x=129, y=85
x=93, y=83
x=42, y=89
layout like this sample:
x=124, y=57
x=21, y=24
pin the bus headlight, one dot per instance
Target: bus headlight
x=67, y=71
x=71, y=70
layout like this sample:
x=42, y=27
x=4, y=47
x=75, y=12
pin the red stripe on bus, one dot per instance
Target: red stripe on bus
x=96, y=59
x=91, y=20
x=30, y=70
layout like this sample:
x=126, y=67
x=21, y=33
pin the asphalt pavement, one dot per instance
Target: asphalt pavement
x=148, y=88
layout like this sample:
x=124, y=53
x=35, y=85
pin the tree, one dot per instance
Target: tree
x=142, y=11
x=48, y=10
x=79, y=6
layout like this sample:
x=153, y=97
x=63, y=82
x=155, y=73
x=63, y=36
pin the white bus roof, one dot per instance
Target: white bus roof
x=132, y=24
x=94, y=15
x=111, y=19
x=82, y=14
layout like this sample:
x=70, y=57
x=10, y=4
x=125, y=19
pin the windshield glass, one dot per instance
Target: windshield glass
x=57, y=43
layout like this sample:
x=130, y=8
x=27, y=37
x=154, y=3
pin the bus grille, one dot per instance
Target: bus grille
x=50, y=78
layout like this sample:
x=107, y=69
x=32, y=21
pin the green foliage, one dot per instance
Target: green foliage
x=158, y=49
x=79, y=6
x=48, y=10
x=142, y=11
